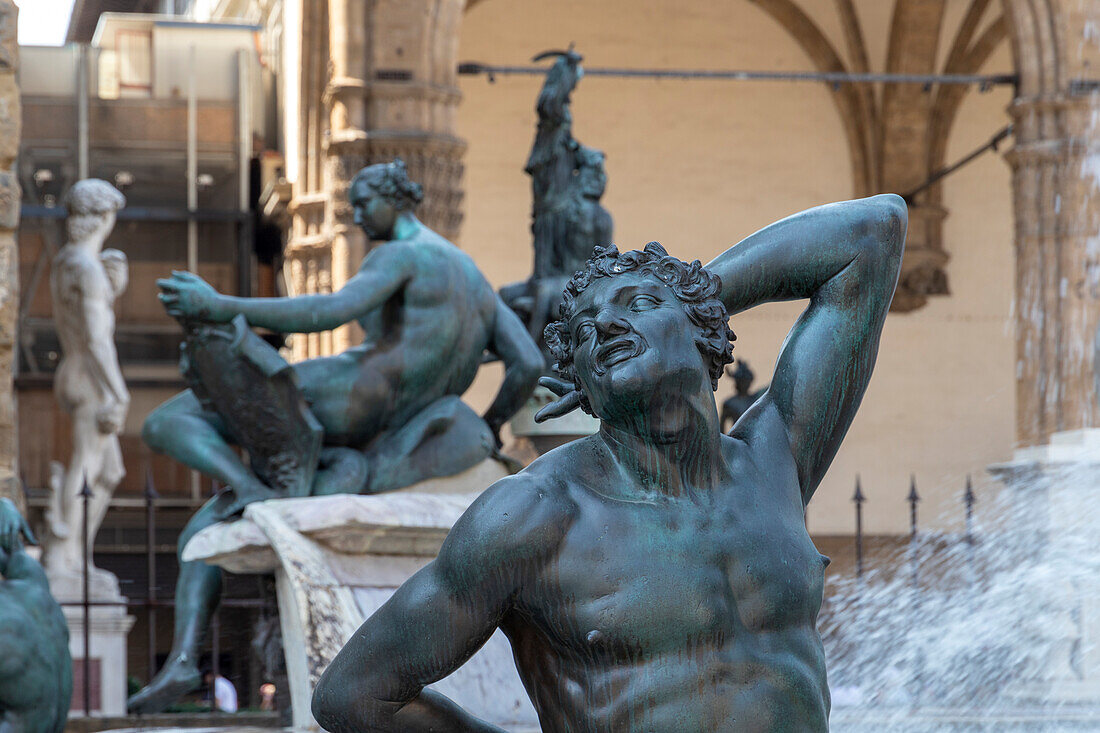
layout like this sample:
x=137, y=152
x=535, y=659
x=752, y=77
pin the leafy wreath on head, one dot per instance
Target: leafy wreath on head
x=694, y=286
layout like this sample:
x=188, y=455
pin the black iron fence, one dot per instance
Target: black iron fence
x=152, y=602
x=913, y=500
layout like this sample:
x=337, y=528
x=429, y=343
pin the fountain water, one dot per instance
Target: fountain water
x=994, y=634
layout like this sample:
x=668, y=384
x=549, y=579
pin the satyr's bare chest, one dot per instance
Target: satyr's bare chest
x=652, y=578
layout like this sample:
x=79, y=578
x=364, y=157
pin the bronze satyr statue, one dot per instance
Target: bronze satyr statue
x=656, y=576
x=36, y=670
x=377, y=417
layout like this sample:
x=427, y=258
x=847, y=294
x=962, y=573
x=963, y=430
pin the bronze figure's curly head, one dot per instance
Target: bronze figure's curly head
x=694, y=286
x=391, y=182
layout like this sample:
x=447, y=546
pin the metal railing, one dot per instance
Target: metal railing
x=912, y=499
x=151, y=602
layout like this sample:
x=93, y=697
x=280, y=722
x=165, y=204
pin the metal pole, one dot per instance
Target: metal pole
x=244, y=169
x=968, y=500
x=86, y=494
x=858, y=499
x=151, y=566
x=913, y=499
x=82, y=93
x=215, y=645
x=244, y=127
x=985, y=82
x=192, y=189
x=215, y=624
x=192, y=163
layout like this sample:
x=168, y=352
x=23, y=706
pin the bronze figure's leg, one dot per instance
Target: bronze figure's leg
x=198, y=591
x=184, y=431
x=181, y=429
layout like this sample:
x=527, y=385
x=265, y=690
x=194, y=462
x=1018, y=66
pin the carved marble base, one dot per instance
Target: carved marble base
x=548, y=435
x=109, y=627
x=336, y=559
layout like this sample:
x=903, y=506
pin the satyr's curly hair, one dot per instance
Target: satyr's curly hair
x=391, y=181
x=695, y=286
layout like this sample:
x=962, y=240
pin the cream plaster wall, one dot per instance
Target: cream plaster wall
x=697, y=165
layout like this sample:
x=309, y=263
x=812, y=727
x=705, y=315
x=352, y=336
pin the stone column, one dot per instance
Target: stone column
x=1056, y=183
x=10, y=195
x=391, y=91
x=1052, y=479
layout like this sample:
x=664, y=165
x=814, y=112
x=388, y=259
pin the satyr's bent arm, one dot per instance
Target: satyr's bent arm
x=523, y=363
x=436, y=621
x=845, y=258
x=383, y=272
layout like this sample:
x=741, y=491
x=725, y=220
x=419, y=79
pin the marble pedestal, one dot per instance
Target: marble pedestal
x=108, y=628
x=546, y=436
x=336, y=559
x=1054, y=516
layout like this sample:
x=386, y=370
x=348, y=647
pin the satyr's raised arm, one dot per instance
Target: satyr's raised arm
x=523, y=363
x=437, y=620
x=845, y=258
x=383, y=272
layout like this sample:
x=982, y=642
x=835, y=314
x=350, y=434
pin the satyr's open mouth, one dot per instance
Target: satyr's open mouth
x=617, y=351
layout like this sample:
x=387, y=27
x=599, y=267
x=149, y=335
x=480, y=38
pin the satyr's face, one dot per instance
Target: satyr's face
x=374, y=214
x=631, y=336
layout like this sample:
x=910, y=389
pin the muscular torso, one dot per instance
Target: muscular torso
x=443, y=316
x=678, y=614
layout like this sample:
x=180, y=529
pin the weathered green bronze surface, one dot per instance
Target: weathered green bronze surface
x=388, y=410
x=567, y=181
x=36, y=670
x=656, y=576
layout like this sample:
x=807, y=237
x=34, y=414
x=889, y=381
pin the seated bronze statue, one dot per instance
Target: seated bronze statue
x=36, y=670
x=377, y=417
x=656, y=576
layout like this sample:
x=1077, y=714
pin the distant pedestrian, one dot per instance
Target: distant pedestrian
x=225, y=694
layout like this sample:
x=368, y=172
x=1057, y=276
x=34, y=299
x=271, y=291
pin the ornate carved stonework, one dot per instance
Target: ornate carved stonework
x=375, y=101
x=1056, y=185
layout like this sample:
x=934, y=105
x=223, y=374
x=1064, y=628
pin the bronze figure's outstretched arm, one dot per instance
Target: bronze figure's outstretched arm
x=845, y=258
x=382, y=274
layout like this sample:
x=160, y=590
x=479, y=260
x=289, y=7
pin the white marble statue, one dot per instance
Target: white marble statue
x=84, y=282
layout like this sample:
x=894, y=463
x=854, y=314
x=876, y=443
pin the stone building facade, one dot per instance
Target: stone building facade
x=991, y=340
x=361, y=83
